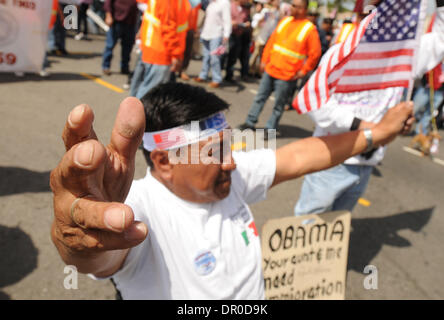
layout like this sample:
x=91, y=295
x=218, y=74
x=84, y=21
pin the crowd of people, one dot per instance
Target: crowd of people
x=230, y=31
x=114, y=228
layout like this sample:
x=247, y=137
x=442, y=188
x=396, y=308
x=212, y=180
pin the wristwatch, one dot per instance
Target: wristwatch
x=369, y=138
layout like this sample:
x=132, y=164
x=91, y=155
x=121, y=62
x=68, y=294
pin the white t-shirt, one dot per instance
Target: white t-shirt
x=217, y=22
x=199, y=251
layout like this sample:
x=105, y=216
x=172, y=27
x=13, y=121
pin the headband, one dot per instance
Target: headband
x=186, y=134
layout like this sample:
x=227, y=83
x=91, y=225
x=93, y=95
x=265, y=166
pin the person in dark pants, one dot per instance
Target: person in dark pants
x=121, y=17
x=83, y=21
x=240, y=39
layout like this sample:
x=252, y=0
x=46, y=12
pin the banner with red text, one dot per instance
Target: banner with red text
x=23, y=34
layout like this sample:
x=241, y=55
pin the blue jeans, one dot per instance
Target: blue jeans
x=422, y=108
x=281, y=90
x=146, y=77
x=51, y=40
x=126, y=34
x=210, y=60
x=338, y=188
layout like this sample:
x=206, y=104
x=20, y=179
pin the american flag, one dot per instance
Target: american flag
x=169, y=138
x=379, y=54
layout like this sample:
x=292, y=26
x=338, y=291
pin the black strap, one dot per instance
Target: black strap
x=118, y=294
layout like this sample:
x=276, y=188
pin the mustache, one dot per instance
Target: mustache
x=225, y=176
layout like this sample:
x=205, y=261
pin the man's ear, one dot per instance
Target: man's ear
x=162, y=164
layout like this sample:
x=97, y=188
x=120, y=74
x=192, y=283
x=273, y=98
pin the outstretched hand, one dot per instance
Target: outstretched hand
x=92, y=181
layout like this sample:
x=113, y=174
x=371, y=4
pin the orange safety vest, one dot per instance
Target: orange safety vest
x=346, y=30
x=54, y=11
x=293, y=46
x=192, y=18
x=163, y=31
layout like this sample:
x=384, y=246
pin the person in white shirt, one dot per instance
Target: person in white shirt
x=185, y=231
x=340, y=187
x=214, y=36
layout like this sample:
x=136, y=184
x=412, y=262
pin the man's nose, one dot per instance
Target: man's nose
x=228, y=164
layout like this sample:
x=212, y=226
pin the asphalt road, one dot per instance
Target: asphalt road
x=397, y=228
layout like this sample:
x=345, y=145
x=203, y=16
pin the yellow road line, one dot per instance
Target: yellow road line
x=238, y=146
x=103, y=83
x=364, y=202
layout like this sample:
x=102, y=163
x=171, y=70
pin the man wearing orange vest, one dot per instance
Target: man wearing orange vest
x=348, y=26
x=192, y=29
x=163, y=35
x=292, y=51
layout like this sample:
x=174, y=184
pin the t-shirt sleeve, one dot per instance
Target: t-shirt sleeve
x=256, y=169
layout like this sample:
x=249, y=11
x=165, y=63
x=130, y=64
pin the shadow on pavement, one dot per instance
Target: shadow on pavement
x=376, y=172
x=15, y=180
x=369, y=235
x=53, y=76
x=19, y=257
x=238, y=86
x=79, y=55
x=286, y=131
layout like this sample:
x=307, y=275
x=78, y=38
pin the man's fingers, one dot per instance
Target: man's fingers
x=78, y=127
x=78, y=239
x=128, y=128
x=89, y=213
x=81, y=170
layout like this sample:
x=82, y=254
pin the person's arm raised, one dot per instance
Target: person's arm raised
x=92, y=228
x=319, y=153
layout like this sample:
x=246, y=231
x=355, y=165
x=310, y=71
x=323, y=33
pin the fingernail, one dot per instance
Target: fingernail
x=84, y=154
x=136, y=232
x=115, y=219
x=75, y=116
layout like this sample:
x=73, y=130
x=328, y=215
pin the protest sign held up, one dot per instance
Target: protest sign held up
x=305, y=258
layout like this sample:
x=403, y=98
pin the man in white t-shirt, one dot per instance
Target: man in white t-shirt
x=185, y=231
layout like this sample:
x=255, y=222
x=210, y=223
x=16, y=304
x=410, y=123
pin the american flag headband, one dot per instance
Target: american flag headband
x=185, y=134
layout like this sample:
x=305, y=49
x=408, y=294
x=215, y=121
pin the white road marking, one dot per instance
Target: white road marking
x=419, y=154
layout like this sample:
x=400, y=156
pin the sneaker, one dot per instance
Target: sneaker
x=44, y=73
x=214, y=85
x=246, y=126
x=106, y=72
x=125, y=71
x=79, y=36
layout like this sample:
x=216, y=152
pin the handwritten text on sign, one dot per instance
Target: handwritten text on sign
x=306, y=257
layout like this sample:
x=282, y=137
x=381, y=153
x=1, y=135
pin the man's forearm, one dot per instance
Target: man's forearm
x=318, y=153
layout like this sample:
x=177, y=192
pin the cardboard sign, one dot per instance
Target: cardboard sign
x=23, y=34
x=305, y=258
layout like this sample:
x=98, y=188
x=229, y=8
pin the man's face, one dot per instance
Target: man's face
x=210, y=179
x=298, y=9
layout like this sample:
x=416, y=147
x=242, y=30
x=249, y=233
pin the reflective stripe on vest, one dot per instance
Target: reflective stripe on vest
x=346, y=30
x=152, y=21
x=283, y=24
x=148, y=16
x=304, y=31
x=182, y=27
x=287, y=52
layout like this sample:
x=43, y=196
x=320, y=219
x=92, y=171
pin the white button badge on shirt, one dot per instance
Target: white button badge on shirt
x=204, y=263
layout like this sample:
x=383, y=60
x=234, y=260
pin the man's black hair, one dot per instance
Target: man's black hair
x=174, y=104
